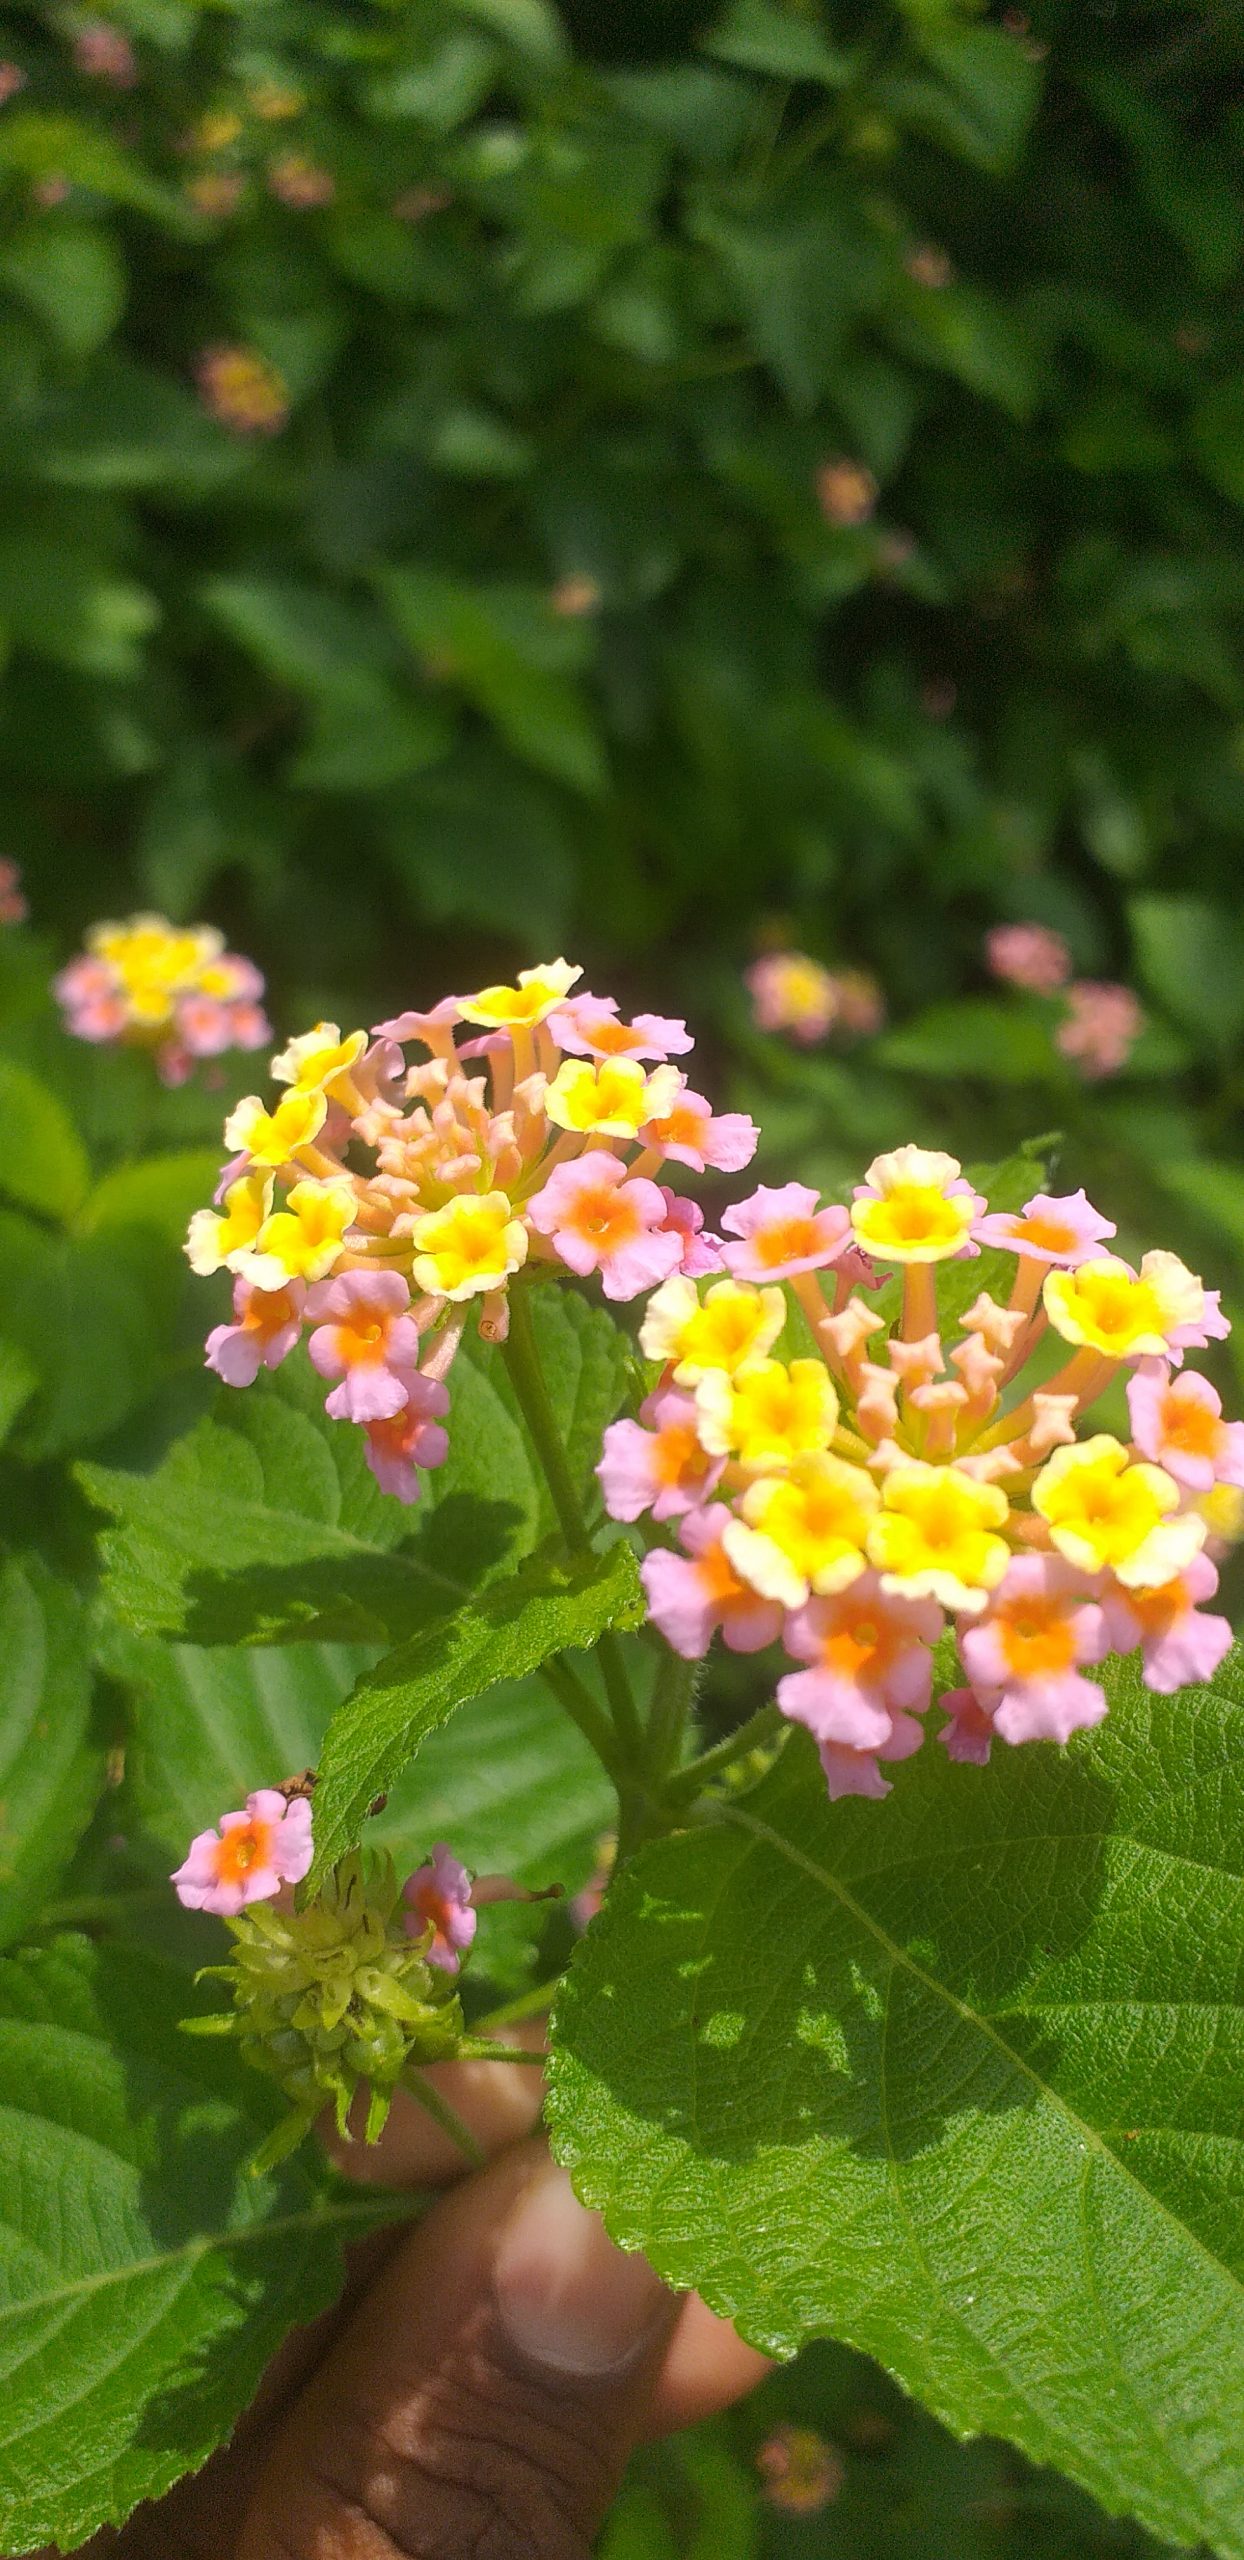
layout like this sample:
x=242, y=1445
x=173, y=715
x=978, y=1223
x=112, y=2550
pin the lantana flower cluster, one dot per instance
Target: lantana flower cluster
x=793, y=993
x=376, y=1201
x=1103, y=1020
x=857, y=1495
x=172, y=989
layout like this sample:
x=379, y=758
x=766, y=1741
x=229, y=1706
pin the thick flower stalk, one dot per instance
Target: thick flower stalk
x=852, y=1482
x=171, y=989
x=378, y=1201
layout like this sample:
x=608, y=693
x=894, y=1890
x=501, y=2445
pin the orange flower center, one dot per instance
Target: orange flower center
x=677, y=1452
x=1050, y=1235
x=248, y=1845
x=1191, y=1426
x=720, y=1579
x=1037, y=1640
x=604, y=1219
x=788, y=1242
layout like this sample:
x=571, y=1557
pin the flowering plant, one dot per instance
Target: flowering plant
x=410, y=1653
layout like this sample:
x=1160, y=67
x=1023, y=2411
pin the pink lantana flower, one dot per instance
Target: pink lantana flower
x=400, y=1443
x=366, y=1338
x=438, y=1897
x=1210, y=1326
x=870, y=1656
x=1061, y=1231
x=1028, y=955
x=691, y=1595
x=1023, y=1656
x=698, y=1251
x=249, y=1857
x=266, y=1325
x=689, y=1134
x=88, y=994
x=13, y=905
x=857, y=1773
x=1177, y=1421
x=1179, y=1645
x=968, y=1735
x=783, y=1232
x=1103, y=1020
x=791, y=992
x=661, y=1468
x=599, y=1220
x=591, y=1027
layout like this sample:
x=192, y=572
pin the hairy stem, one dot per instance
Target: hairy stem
x=764, y=1727
x=573, y=1694
x=527, y=1378
x=667, y=1716
x=444, y=2115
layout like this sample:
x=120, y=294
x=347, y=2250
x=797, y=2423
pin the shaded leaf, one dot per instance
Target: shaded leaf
x=51, y=1768
x=548, y=1607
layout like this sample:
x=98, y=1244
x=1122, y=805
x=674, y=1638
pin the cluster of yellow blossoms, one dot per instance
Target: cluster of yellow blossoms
x=847, y=1483
x=376, y=1201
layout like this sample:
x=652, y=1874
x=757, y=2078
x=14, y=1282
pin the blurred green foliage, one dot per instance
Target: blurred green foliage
x=754, y=470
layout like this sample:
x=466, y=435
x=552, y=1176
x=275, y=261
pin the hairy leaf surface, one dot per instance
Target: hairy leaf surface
x=956, y=2079
x=146, y=2278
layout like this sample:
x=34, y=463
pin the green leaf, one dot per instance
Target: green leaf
x=44, y=1163
x=90, y=1316
x=1191, y=953
x=72, y=275
x=51, y=1768
x=1216, y=432
x=955, y=2080
x=264, y=1523
x=128, y=427
x=18, y=1381
x=551, y=1605
x=160, y=1193
x=798, y=268
x=985, y=96
x=531, y=26
x=149, y=2278
x=511, y=654
x=1214, y=1193
x=761, y=37
x=510, y=1780
x=977, y=1036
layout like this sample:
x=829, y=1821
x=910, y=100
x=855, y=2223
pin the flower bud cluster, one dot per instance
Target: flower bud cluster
x=1103, y=1020
x=377, y=1200
x=336, y=1996
x=853, y=1493
x=172, y=989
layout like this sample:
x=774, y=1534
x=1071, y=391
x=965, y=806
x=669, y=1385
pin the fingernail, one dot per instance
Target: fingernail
x=567, y=2297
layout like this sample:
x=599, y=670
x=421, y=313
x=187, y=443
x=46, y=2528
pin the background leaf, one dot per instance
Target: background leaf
x=51, y=1763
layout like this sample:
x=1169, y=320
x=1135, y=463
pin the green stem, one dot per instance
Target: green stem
x=573, y=1694
x=527, y=1379
x=529, y=2004
x=522, y=1360
x=667, y=1715
x=763, y=1727
x=482, y=2049
x=444, y=2115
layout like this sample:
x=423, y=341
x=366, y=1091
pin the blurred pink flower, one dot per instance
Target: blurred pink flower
x=13, y=905
x=1103, y=1019
x=1028, y=955
x=102, y=52
x=438, y=1897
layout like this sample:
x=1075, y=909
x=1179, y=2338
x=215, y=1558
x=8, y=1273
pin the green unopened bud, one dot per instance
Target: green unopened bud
x=334, y=1996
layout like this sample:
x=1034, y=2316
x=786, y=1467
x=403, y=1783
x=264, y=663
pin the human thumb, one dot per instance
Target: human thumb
x=483, y=2401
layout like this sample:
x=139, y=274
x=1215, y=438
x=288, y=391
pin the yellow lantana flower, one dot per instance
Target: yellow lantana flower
x=520, y=1008
x=769, y=1414
x=936, y=1535
x=274, y=1137
x=1108, y=1307
x=910, y=1210
x=215, y=1242
x=803, y=1532
x=610, y=1098
x=473, y=1244
x=1106, y=1511
x=1222, y=1510
x=302, y=1241
x=314, y=1062
x=154, y=961
x=734, y=1324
